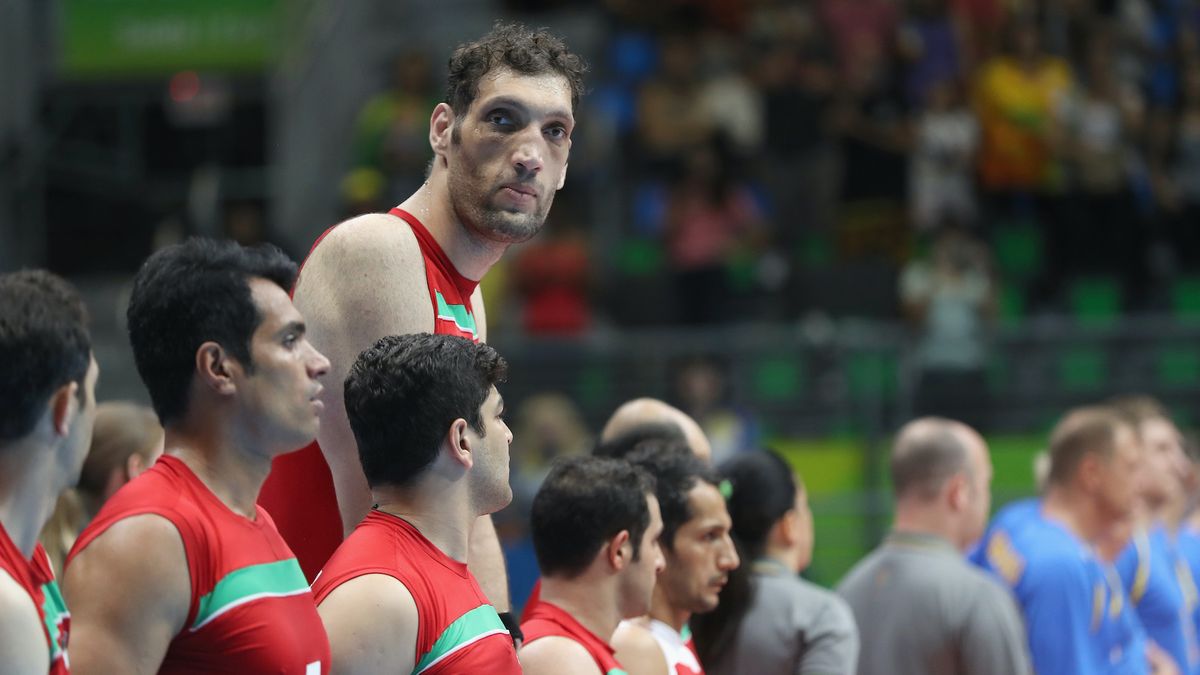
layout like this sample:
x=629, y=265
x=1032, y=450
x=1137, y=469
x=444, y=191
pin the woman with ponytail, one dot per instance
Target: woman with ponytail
x=769, y=620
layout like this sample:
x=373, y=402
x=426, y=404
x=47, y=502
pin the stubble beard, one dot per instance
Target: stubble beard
x=473, y=208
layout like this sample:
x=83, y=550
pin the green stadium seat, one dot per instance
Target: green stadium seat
x=1095, y=301
x=1018, y=250
x=1082, y=369
x=778, y=379
x=1179, y=366
x=873, y=374
x=594, y=387
x=1011, y=304
x=640, y=257
x=1185, y=299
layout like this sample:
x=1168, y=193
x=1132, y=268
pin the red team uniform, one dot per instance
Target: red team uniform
x=458, y=630
x=546, y=619
x=299, y=492
x=251, y=610
x=37, y=578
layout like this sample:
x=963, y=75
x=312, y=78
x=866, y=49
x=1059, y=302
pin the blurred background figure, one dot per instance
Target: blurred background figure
x=769, y=620
x=704, y=391
x=126, y=440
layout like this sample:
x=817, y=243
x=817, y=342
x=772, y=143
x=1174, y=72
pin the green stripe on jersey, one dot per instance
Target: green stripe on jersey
x=54, y=612
x=267, y=580
x=466, y=629
x=456, y=313
x=616, y=671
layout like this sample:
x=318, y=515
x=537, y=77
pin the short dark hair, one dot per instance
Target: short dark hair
x=191, y=293
x=921, y=463
x=676, y=471
x=1083, y=431
x=403, y=393
x=44, y=344
x=622, y=444
x=583, y=503
x=517, y=48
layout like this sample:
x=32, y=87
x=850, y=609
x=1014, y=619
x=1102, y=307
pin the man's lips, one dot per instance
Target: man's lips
x=520, y=190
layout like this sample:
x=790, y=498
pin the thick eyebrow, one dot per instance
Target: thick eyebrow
x=296, y=327
x=510, y=102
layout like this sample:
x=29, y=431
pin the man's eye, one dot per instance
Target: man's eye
x=557, y=133
x=500, y=119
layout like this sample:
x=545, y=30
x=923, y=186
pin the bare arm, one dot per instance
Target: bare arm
x=638, y=651
x=554, y=655
x=21, y=639
x=129, y=593
x=372, y=625
x=366, y=280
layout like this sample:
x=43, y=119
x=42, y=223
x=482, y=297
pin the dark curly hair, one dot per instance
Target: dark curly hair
x=517, y=48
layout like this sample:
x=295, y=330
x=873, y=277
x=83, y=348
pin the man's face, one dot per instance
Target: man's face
x=1118, y=483
x=703, y=554
x=1165, y=465
x=492, y=491
x=640, y=576
x=79, y=440
x=280, y=389
x=508, y=154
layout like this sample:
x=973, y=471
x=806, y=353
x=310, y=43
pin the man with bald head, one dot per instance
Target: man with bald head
x=920, y=607
x=645, y=419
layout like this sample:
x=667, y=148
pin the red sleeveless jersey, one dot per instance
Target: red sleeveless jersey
x=251, y=610
x=37, y=578
x=458, y=631
x=546, y=619
x=299, y=491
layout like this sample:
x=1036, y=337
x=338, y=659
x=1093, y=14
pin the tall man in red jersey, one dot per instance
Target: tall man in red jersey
x=47, y=383
x=500, y=144
x=595, y=524
x=181, y=571
x=396, y=597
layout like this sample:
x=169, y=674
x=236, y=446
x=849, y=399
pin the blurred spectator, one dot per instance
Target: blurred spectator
x=672, y=117
x=950, y=298
x=871, y=118
x=547, y=426
x=712, y=218
x=929, y=43
x=552, y=274
x=125, y=442
x=1178, y=182
x=859, y=27
x=391, y=138
x=942, y=184
x=704, y=392
x=731, y=100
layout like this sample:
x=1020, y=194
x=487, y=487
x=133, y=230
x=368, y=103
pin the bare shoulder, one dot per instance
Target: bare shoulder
x=372, y=625
x=21, y=640
x=637, y=649
x=369, y=238
x=557, y=654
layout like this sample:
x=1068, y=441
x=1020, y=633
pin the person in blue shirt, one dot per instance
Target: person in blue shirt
x=1043, y=549
x=1151, y=567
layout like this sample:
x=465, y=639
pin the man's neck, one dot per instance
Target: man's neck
x=592, y=602
x=662, y=610
x=1076, y=512
x=27, y=495
x=442, y=515
x=471, y=254
x=917, y=519
x=234, y=474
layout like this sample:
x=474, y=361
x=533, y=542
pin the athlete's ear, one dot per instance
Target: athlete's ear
x=958, y=492
x=215, y=368
x=441, y=128
x=619, y=550
x=459, y=444
x=63, y=405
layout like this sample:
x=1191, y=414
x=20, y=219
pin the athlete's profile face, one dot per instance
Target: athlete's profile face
x=508, y=154
x=703, y=555
x=490, y=470
x=1165, y=465
x=642, y=573
x=280, y=388
x=1119, y=485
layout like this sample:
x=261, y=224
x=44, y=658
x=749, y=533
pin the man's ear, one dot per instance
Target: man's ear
x=619, y=551
x=64, y=404
x=958, y=493
x=787, y=530
x=216, y=369
x=441, y=125
x=459, y=444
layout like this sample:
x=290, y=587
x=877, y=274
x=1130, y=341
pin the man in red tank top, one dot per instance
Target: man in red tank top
x=595, y=524
x=181, y=571
x=396, y=597
x=47, y=383
x=500, y=143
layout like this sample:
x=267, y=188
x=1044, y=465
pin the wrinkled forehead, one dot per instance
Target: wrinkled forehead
x=546, y=93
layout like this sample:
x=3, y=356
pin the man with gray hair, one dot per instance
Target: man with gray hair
x=921, y=608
